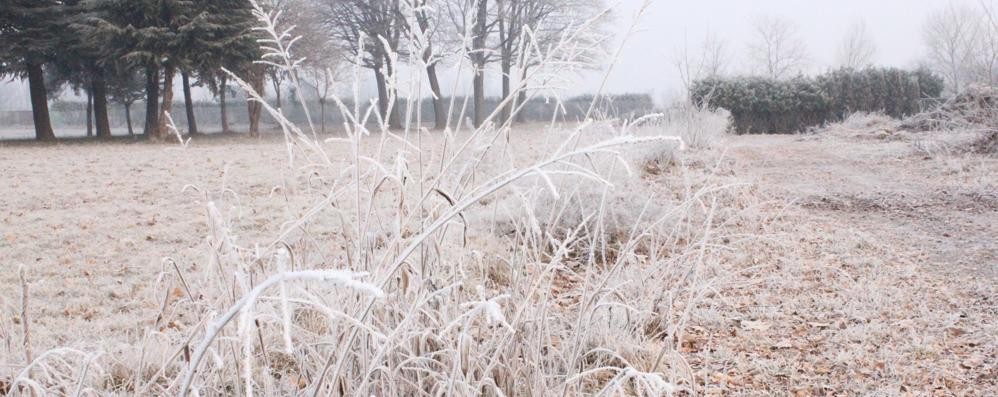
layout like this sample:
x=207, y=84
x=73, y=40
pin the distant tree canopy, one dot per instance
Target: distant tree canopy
x=98, y=47
x=764, y=105
x=113, y=50
x=29, y=38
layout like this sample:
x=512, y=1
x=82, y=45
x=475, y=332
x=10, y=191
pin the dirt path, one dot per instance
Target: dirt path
x=883, y=277
x=943, y=211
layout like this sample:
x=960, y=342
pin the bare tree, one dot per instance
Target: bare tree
x=276, y=75
x=322, y=57
x=709, y=60
x=473, y=23
x=422, y=30
x=479, y=56
x=533, y=23
x=370, y=31
x=857, y=48
x=777, y=49
x=714, y=56
x=514, y=17
x=951, y=36
x=985, y=63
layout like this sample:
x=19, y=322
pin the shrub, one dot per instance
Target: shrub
x=760, y=105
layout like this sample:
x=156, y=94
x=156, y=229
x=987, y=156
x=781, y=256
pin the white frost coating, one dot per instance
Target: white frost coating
x=244, y=307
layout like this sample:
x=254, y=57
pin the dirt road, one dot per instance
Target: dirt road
x=941, y=211
x=885, y=272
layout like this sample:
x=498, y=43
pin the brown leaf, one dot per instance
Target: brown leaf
x=954, y=331
x=298, y=381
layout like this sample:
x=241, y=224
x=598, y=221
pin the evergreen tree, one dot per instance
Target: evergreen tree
x=127, y=88
x=29, y=34
x=148, y=34
x=80, y=65
x=221, y=36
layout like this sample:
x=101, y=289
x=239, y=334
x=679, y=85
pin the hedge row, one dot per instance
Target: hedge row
x=760, y=105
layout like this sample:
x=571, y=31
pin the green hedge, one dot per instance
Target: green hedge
x=760, y=105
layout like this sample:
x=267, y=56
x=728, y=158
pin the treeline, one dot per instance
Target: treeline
x=625, y=106
x=132, y=51
x=765, y=105
x=124, y=51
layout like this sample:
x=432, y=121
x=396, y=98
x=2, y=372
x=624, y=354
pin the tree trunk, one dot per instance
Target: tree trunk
x=505, y=60
x=128, y=118
x=192, y=125
x=39, y=103
x=222, y=92
x=478, y=61
x=90, y=112
x=478, y=84
x=394, y=115
x=257, y=76
x=379, y=79
x=99, y=89
x=322, y=114
x=521, y=98
x=507, y=110
x=152, y=100
x=275, y=80
x=167, y=107
x=277, y=94
x=439, y=112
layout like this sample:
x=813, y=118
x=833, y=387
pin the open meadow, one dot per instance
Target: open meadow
x=840, y=263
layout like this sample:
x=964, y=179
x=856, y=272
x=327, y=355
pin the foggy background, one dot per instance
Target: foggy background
x=647, y=63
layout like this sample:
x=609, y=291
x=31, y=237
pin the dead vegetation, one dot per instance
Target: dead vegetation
x=499, y=261
x=973, y=110
x=736, y=290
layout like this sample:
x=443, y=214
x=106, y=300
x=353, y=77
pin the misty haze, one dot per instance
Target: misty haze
x=498, y=198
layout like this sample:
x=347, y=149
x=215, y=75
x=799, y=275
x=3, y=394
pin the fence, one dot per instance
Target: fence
x=70, y=118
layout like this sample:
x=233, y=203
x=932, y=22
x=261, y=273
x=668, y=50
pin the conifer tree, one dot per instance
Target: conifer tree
x=222, y=37
x=28, y=37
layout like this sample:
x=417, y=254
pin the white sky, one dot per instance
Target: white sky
x=647, y=62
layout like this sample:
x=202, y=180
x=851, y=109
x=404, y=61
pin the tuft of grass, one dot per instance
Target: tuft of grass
x=417, y=294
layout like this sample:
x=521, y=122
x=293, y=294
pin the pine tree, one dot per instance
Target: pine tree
x=131, y=34
x=127, y=88
x=80, y=65
x=29, y=33
x=222, y=36
x=149, y=34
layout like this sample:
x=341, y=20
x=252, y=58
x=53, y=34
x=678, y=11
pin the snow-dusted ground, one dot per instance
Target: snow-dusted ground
x=874, y=270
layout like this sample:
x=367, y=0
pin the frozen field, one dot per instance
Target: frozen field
x=847, y=263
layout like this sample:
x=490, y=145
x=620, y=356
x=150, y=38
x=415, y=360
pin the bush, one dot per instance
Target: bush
x=760, y=105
